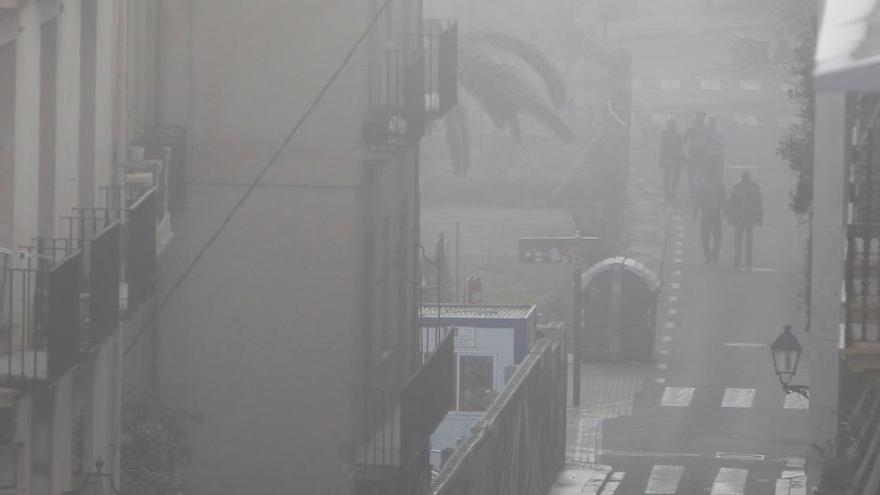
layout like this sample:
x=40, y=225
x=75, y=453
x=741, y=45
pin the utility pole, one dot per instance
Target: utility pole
x=577, y=328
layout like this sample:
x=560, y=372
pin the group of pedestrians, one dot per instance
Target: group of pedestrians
x=704, y=161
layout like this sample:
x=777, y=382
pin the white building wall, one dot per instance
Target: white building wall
x=105, y=91
x=827, y=275
x=27, y=126
x=67, y=111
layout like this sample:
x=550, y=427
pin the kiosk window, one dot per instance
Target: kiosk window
x=476, y=382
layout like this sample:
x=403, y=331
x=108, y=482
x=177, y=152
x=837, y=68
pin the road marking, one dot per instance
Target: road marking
x=740, y=457
x=796, y=401
x=664, y=480
x=666, y=338
x=795, y=462
x=674, y=285
x=672, y=299
x=679, y=227
x=742, y=167
x=793, y=482
x=710, y=84
x=678, y=260
x=677, y=396
x=745, y=344
x=765, y=270
x=730, y=481
x=738, y=397
x=660, y=118
x=661, y=381
x=750, y=85
x=679, y=234
x=672, y=311
x=679, y=243
x=648, y=189
x=663, y=352
x=613, y=483
x=678, y=252
x=746, y=120
x=676, y=273
x=670, y=84
x=678, y=218
x=662, y=366
x=669, y=325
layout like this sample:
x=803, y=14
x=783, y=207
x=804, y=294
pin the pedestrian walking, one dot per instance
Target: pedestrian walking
x=744, y=212
x=697, y=139
x=671, y=158
x=715, y=150
x=709, y=205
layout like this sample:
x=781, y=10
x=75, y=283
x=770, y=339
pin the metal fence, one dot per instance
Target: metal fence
x=140, y=249
x=518, y=447
x=395, y=100
x=158, y=140
x=427, y=398
x=63, y=315
x=441, y=65
x=103, y=283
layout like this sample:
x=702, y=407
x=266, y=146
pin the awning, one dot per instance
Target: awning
x=848, y=48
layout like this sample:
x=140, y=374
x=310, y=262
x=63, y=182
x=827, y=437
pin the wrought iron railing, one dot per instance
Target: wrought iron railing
x=427, y=397
x=169, y=144
x=395, y=100
x=441, y=65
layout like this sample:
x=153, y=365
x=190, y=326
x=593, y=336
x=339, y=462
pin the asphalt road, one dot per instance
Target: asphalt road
x=709, y=415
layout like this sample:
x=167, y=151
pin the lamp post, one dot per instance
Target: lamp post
x=786, y=353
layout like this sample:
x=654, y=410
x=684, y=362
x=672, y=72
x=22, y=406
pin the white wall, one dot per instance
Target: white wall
x=829, y=236
x=67, y=111
x=27, y=126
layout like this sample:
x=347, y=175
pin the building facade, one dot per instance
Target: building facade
x=296, y=326
x=71, y=208
x=844, y=345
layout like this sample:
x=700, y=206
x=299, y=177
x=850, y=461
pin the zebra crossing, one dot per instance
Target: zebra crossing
x=665, y=479
x=733, y=398
x=711, y=85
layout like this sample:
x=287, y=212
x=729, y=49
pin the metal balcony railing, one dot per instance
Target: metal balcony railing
x=396, y=426
x=440, y=46
x=395, y=100
x=40, y=316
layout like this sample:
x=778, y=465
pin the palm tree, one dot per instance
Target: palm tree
x=502, y=91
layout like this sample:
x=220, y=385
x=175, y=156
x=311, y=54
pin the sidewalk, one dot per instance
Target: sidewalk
x=587, y=479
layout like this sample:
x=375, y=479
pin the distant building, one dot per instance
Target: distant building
x=298, y=326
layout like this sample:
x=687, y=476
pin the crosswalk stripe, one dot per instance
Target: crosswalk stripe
x=660, y=118
x=677, y=396
x=750, y=85
x=664, y=480
x=710, y=84
x=730, y=481
x=613, y=483
x=796, y=401
x=738, y=397
x=670, y=84
x=746, y=120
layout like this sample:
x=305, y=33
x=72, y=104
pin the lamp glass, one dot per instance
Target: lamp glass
x=786, y=352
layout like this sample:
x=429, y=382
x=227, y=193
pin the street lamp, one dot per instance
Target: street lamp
x=99, y=474
x=786, y=353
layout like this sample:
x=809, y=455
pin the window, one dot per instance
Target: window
x=476, y=382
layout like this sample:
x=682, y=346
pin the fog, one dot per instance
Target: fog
x=446, y=247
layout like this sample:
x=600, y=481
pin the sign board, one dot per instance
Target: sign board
x=570, y=250
x=465, y=337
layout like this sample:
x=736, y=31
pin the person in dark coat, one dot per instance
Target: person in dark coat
x=697, y=139
x=711, y=198
x=671, y=158
x=744, y=211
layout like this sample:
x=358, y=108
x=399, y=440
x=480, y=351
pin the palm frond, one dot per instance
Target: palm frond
x=458, y=139
x=504, y=95
x=528, y=54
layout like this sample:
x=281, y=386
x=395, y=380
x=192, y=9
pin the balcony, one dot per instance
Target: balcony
x=441, y=66
x=395, y=101
x=392, y=455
